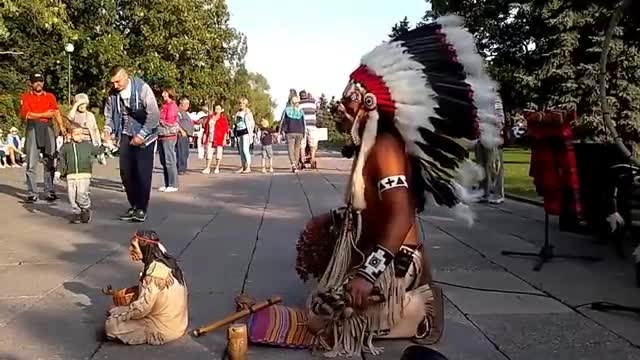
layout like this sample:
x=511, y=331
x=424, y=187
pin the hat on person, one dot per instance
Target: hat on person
x=37, y=77
x=431, y=85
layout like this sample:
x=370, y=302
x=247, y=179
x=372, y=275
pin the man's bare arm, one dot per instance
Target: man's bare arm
x=387, y=170
x=60, y=122
x=390, y=170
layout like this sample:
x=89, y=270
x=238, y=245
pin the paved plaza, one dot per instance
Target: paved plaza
x=235, y=233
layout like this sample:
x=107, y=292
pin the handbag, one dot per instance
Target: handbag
x=167, y=130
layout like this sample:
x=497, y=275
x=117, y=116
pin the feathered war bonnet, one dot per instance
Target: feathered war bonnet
x=432, y=84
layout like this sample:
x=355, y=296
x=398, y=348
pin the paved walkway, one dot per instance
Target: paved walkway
x=234, y=232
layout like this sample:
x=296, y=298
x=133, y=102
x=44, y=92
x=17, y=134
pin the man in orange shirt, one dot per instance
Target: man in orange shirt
x=39, y=109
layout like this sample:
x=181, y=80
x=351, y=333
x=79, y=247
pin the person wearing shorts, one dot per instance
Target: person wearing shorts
x=214, y=136
x=266, y=140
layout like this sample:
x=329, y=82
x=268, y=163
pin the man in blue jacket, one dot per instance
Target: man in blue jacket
x=132, y=117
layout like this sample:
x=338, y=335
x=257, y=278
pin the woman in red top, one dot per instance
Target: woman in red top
x=214, y=136
x=167, y=136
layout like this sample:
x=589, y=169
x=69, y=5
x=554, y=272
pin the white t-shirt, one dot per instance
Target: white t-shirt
x=125, y=94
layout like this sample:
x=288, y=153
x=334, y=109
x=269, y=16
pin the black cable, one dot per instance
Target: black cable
x=500, y=291
x=492, y=290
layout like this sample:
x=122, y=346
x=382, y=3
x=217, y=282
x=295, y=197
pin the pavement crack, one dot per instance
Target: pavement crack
x=306, y=196
x=466, y=316
x=202, y=229
x=547, y=294
x=255, y=243
x=329, y=181
x=95, y=352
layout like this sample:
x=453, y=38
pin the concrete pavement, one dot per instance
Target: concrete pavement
x=238, y=232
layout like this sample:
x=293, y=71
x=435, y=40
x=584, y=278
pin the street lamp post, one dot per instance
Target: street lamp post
x=69, y=49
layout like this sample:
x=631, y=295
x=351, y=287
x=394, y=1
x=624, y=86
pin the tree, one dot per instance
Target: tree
x=327, y=117
x=189, y=45
x=506, y=35
x=546, y=54
x=569, y=75
x=438, y=8
x=400, y=28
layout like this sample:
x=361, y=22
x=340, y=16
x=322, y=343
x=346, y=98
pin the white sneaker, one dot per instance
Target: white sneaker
x=15, y=166
x=247, y=171
x=271, y=170
x=496, y=201
x=2, y=166
x=206, y=171
x=264, y=170
x=163, y=189
x=170, y=189
x=216, y=171
x=240, y=171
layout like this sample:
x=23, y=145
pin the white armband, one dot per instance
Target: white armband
x=391, y=182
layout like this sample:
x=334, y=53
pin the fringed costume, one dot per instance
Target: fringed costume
x=160, y=313
x=428, y=88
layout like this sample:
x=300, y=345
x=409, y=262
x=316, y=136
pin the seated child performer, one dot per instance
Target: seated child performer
x=75, y=162
x=160, y=314
x=266, y=140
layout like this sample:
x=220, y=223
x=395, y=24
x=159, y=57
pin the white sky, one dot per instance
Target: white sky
x=315, y=45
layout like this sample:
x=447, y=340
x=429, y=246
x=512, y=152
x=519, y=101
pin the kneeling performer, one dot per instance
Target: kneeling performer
x=413, y=107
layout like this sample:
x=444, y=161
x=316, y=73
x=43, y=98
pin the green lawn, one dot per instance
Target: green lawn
x=516, y=173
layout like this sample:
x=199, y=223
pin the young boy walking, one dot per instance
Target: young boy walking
x=266, y=140
x=75, y=163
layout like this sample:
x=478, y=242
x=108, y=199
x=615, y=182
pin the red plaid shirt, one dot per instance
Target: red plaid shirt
x=553, y=163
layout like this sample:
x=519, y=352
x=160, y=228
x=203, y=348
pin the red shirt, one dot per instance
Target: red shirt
x=31, y=102
x=169, y=113
x=220, y=129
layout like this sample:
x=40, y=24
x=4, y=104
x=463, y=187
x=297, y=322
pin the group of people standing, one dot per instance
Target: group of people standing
x=135, y=126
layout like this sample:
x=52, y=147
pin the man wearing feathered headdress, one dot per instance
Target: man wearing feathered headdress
x=414, y=107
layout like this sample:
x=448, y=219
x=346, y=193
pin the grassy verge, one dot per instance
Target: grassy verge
x=516, y=173
x=516, y=170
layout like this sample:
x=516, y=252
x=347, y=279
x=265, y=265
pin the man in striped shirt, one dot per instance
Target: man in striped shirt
x=308, y=106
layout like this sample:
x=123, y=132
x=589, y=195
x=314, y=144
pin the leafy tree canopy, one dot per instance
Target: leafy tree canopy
x=545, y=54
x=187, y=44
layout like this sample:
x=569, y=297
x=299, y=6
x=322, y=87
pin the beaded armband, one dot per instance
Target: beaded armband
x=376, y=263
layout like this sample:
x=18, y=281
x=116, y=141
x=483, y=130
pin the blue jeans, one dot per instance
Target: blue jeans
x=245, y=152
x=182, y=152
x=167, y=150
